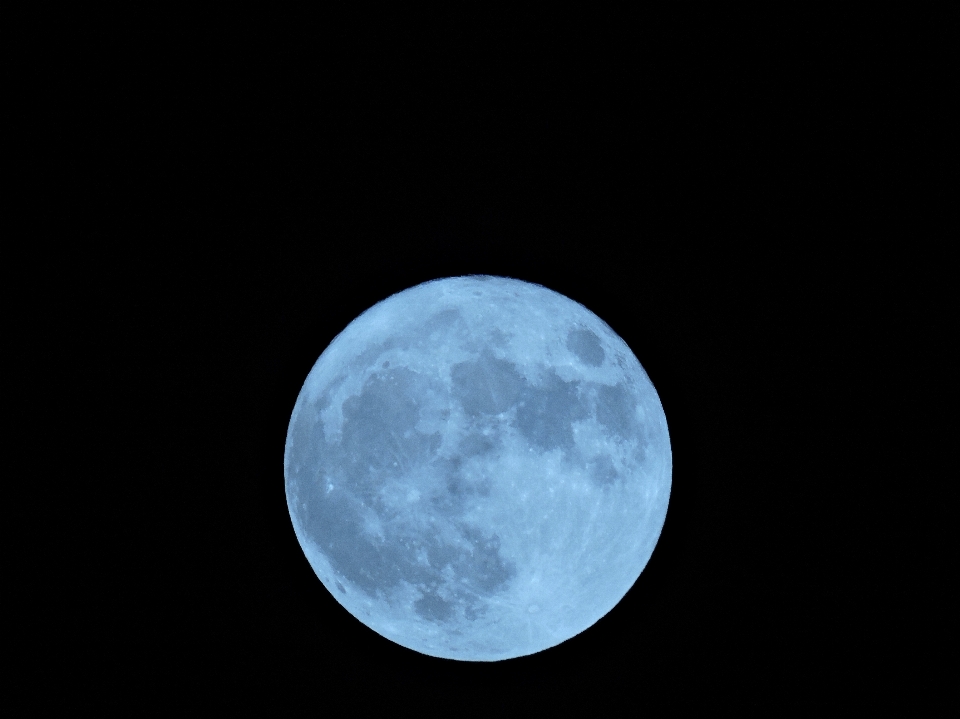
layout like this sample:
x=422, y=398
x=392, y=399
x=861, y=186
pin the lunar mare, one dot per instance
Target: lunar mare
x=478, y=468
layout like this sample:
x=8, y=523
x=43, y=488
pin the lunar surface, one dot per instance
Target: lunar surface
x=478, y=468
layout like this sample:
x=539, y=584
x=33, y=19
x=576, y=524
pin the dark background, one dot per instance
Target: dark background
x=713, y=188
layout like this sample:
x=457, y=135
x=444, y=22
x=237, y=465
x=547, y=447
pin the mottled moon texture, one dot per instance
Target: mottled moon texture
x=478, y=468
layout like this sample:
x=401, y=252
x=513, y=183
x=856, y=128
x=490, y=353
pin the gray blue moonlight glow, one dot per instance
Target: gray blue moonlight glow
x=478, y=468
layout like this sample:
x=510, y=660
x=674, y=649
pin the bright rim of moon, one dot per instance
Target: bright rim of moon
x=478, y=468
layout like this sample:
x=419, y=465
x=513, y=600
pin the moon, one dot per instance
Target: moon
x=478, y=468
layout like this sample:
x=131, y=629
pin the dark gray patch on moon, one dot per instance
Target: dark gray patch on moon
x=475, y=443
x=460, y=486
x=334, y=518
x=486, y=386
x=547, y=412
x=447, y=502
x=615, y=409
x=369, y=356
x=378, y=436
x=433, y=608
x=586, y=346
x=340, y=587
x=483, y=568
x=478, y=570
x=440, y=321
x=441, y=555
x=498, y=338
x=602, y=471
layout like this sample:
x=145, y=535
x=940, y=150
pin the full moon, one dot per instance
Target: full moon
x=478, y=468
